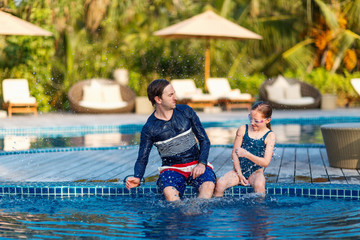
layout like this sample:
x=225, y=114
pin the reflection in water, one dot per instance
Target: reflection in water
x=288, y=133
x=247, y=217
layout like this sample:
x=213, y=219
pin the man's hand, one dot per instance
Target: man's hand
x=198, y=170
x=132, y=182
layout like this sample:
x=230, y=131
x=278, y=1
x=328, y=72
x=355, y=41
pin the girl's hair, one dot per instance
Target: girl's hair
x=265, y=108
x=156, y=88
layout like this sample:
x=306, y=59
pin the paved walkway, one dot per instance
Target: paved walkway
x=289, y=165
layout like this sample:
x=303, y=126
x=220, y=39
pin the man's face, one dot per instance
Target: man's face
x=168, y=98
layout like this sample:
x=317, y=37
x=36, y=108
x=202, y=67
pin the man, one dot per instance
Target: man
x=172, y=129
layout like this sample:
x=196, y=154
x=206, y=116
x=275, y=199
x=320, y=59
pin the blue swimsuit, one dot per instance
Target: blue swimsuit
x=255, y=147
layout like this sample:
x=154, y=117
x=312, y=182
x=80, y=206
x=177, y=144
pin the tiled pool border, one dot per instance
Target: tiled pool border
x=335, y=191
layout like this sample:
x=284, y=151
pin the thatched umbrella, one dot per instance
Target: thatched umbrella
x=207, y=25
x=11, y=25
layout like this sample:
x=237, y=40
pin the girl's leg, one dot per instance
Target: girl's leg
x=230, y=179
x=257, y=181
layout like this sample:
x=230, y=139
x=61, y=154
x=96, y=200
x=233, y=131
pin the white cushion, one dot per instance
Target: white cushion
x=111, y=93
x=293, y=91
x=299, y=101
x=15, y=89
x=23, y=100
x=219, y=87
x=92, y=94
x=102, y=105
x=275, y=93
x=280, y=82
x=185, y=88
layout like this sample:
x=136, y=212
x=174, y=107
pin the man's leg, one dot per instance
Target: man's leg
x=205, y=183
x=206, y=190
x=171, y=194
x=172, y=184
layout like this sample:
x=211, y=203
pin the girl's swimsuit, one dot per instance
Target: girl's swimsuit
x=255, y=147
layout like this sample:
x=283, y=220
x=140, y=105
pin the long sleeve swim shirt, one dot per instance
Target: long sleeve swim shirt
x=174, y=139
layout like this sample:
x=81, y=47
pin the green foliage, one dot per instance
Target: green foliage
x=328, y=82
x=93, y=38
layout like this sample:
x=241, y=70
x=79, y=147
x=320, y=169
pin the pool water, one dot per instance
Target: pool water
x=286, y=133
x=151, y=217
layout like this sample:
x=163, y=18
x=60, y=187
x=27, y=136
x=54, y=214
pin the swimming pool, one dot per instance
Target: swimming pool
x=108, y=211
x=288, y=131
x=111, y=212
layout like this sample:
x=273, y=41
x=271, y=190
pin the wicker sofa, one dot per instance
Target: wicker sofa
x=300, y=95
x=118, y=98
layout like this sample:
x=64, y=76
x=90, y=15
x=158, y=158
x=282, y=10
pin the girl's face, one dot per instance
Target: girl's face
x=257, y=120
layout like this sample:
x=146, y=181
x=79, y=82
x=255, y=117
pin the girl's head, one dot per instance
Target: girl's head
x=263, y=109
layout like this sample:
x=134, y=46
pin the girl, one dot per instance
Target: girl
x=252, y=151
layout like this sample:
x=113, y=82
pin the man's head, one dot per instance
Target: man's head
x=156, y=89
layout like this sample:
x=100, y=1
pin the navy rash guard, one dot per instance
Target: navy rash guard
x=174, y=139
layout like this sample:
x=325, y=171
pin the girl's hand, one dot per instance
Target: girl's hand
x=242, y=179
x=240, y=152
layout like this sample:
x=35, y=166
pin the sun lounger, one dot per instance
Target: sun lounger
x=17, y=97
x=286, y=93
x=187, y=93
x=229, y=98
x=355, y=82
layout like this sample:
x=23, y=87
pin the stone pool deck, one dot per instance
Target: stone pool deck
x=289, y=164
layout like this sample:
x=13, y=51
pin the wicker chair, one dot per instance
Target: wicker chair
x=76, y=92
x=306, y=91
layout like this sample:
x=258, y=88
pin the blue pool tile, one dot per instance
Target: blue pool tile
x=18, y=190
x=278, y=191
x=305, y=192
x=85, y=190
x=45, y=191
x=355, y=193
x=298, y=191
x=38, y=191
x=312, y=192
x=326, y=192
x=92, y=191
x=58, y=191
x=270, y=191
x=65, y=191
x=99, y=191
x=78, y=190
x=72, y=191
x=340, y=192
x=31, y=190
x=126, y=191
x=347, y=193
x=320, y=192
x=112, y=191
x=106, y=191
x=333, y=193
x=51, y=191
x=25, y=190
x=119, y=191
x=285, y=191
x=291, y=191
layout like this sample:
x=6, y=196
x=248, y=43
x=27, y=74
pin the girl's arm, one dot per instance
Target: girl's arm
x=269, y=150
x=237, y=144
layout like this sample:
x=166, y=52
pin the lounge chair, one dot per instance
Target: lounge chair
x=355, y=82
x=187, y=93
x=16, y=96
x=287, y=93
x=228, y=98
x=101, y=96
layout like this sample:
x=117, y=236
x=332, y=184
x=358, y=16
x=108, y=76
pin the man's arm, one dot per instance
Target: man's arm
x=201, y=135
x=143, y=154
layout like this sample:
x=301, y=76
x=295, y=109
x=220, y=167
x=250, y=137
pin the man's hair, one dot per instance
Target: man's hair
x=156, y=88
